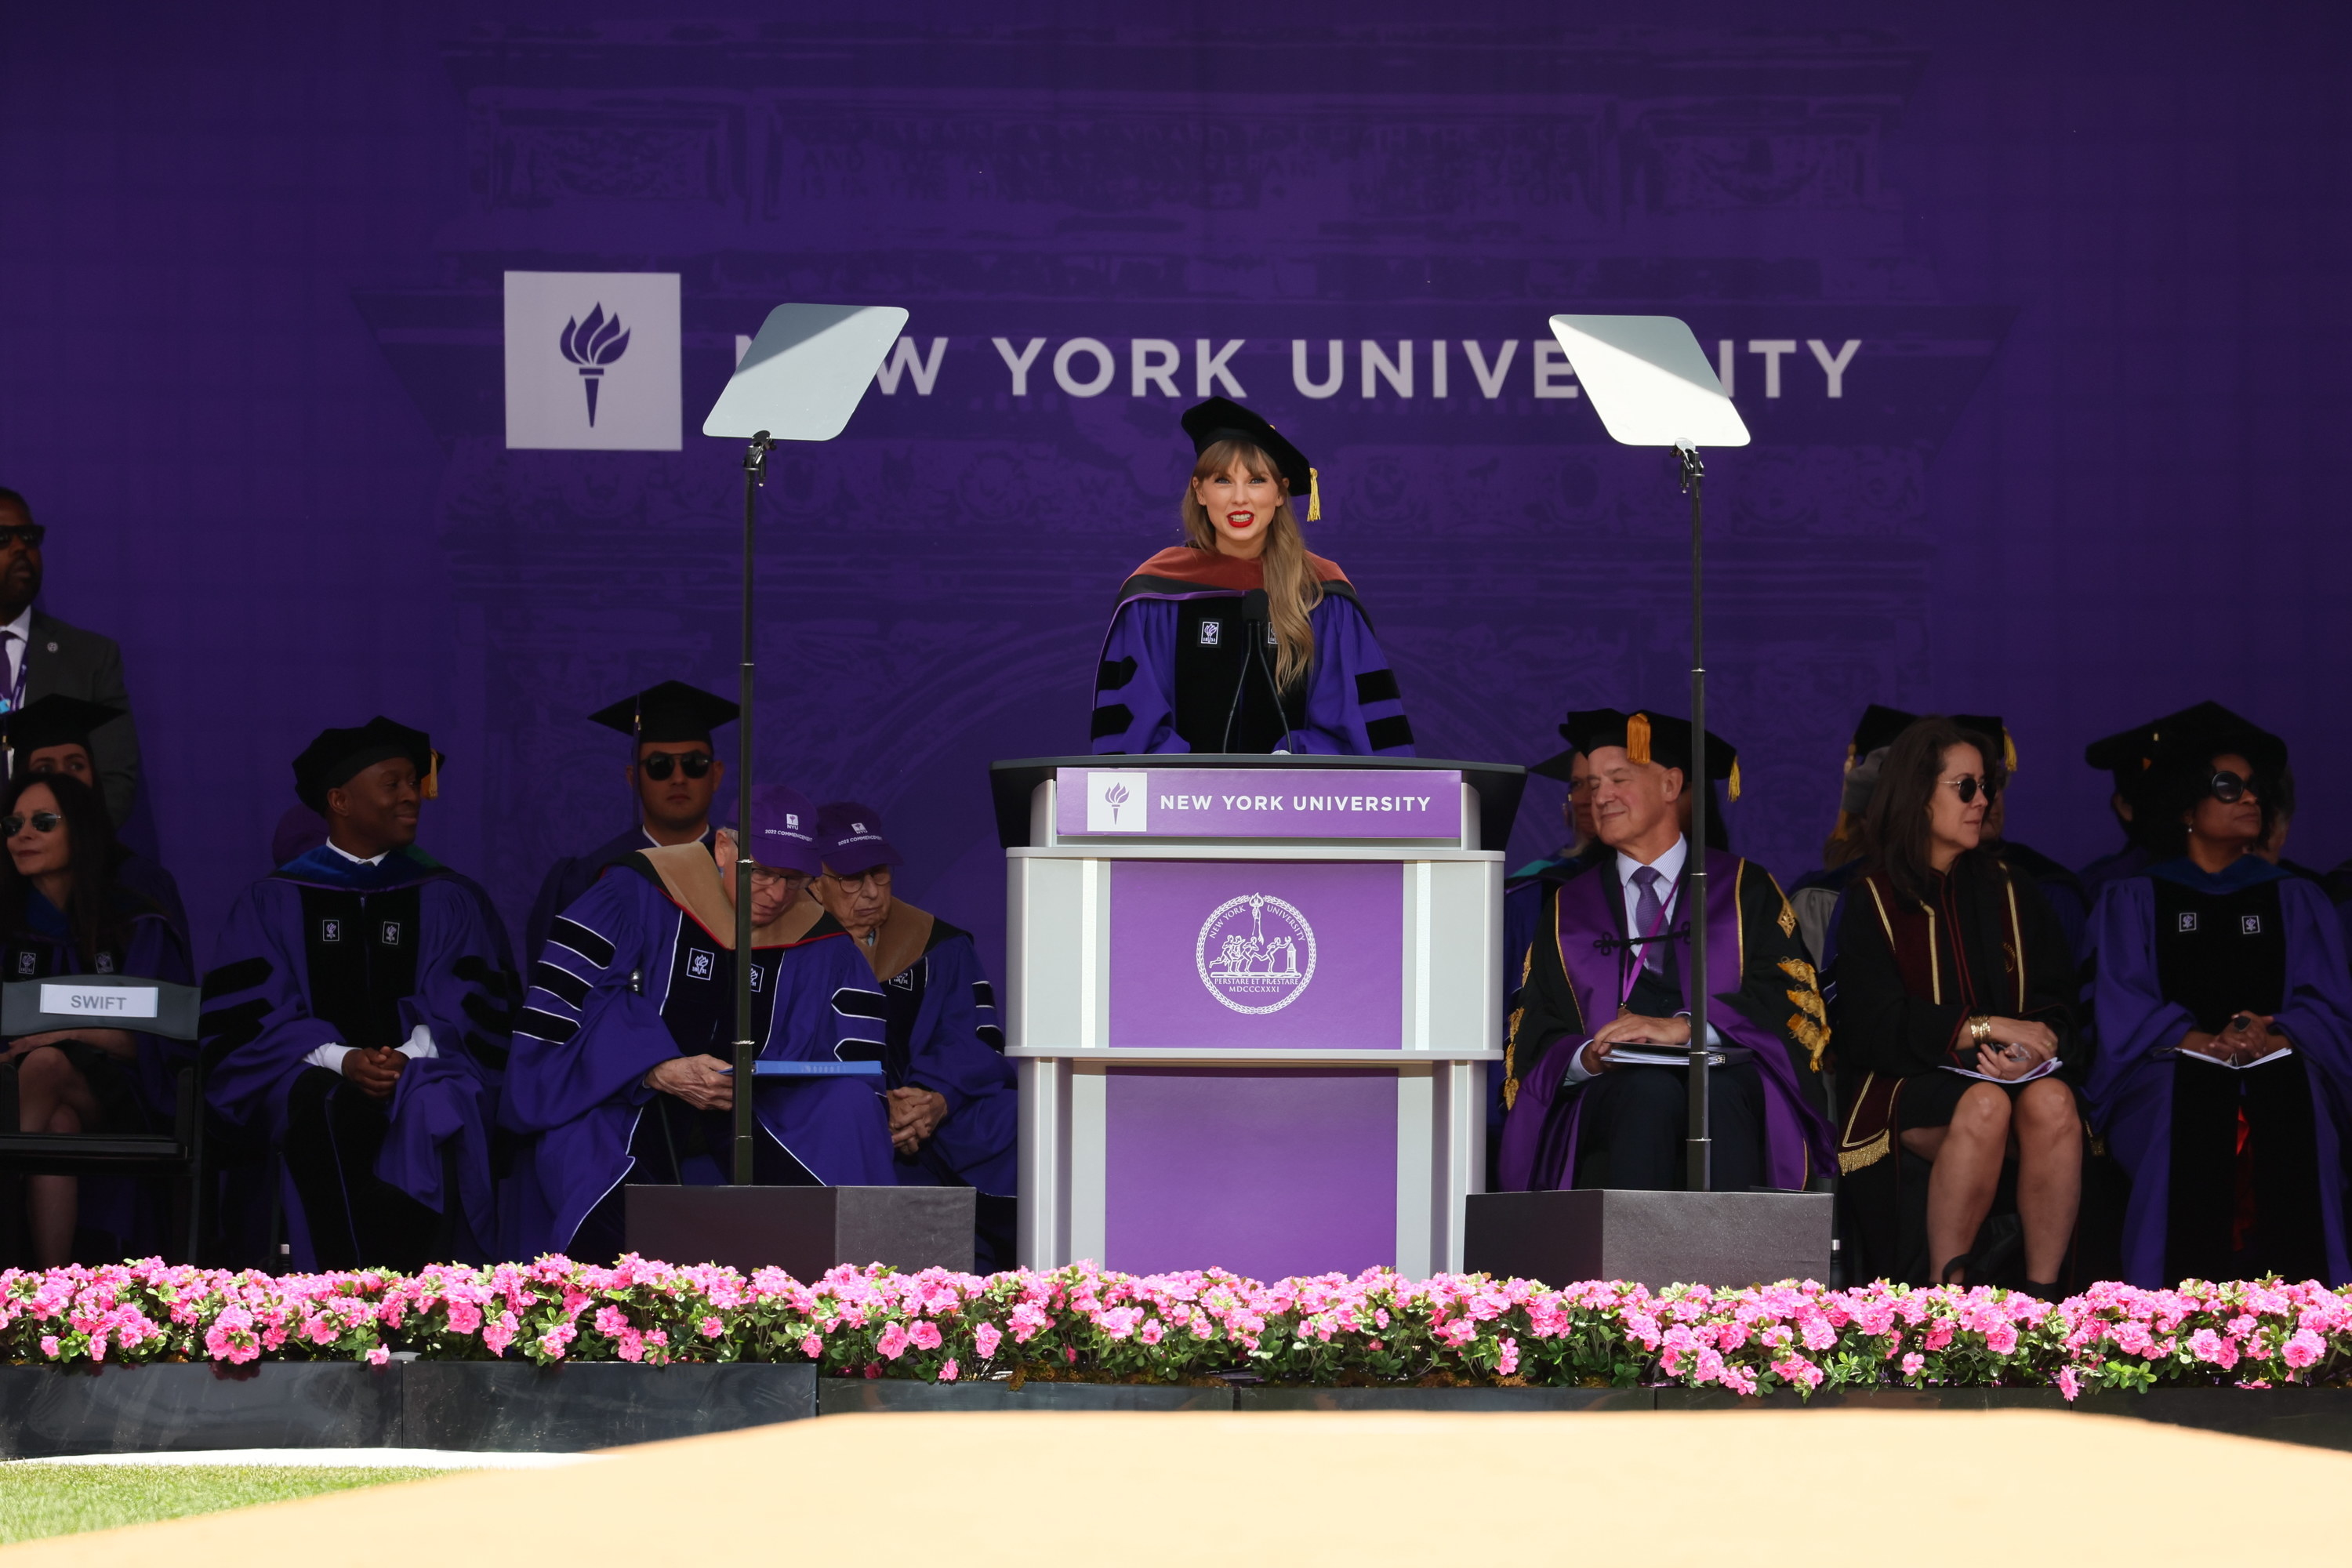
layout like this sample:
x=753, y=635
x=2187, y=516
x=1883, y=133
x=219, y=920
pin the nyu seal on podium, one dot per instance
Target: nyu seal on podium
x=1255, y=953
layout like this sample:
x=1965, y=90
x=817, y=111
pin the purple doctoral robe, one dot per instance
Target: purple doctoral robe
x=1757, y=973
x=2130, y=1084
x=640, y=971
x=1172, y=678
x=328, y=951
x=941, y=1034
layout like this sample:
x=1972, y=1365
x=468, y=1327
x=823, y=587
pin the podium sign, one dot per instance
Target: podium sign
x=1252, y=1002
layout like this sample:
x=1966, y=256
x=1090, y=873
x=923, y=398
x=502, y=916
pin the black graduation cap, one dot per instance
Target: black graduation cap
x=55, y=720
x=670, y=713
x=337, y=755
x=2127, y=753
x=1649, y=736
x=1991, y=729
x=1880, y=724
x=1223, y=419
x=2192, y=746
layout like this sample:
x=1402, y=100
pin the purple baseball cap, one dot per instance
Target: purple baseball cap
x=784, y=829
x=849, y=837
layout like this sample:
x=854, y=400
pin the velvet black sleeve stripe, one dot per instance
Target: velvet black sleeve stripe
x=1114, y=720
x=1115, y=673
x=992, y=1036
x=581, y=940
x=487, y=1012
x=1376, y=686
x=545, y=1025
x=984, y=994
x=852, y=1003
x=557, y=981
x=1387, y=734
x=242, y=975
x=851, y=1049
x=229, y=1027
x=473, y=969
x=488, y=1052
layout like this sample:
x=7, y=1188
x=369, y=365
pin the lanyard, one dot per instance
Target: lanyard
x=1631, y=973
x=16, y=682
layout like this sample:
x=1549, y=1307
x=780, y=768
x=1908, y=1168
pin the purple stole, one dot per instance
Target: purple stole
x=1539, y=1137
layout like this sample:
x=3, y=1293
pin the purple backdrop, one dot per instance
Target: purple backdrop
x=2077, y=472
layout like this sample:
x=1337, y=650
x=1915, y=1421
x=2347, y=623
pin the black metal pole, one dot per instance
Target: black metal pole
x=1701, y=1175
x=755, y=473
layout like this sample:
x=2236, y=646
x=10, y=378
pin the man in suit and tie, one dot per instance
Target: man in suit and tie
x=41, y=656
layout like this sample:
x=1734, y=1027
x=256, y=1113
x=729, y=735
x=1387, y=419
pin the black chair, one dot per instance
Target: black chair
x=147, y=1006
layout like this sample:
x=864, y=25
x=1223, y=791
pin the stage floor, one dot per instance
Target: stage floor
x=1772, y=1488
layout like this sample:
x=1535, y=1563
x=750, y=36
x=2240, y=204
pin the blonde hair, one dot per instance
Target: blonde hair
x=1292, y=590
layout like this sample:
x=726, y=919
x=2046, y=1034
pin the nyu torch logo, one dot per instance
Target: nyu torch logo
x=1117, y=801
x=1255, y=953
x=593, y=345
x=1115, y=797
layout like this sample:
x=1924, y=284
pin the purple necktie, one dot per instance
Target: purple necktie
x=1650, y=918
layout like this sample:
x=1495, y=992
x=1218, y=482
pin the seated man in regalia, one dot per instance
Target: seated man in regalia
x=357, y=1015
x=1596, y=1053
x=623, y=1054
x=954, y=1113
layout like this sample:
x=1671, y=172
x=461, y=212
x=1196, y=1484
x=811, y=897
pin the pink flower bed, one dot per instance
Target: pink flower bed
x=1084, y=1322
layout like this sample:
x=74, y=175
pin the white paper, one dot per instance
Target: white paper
x=2042, y=1069
x=2239, y=1066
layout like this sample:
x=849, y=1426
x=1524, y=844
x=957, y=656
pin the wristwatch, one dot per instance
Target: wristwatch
x=1980, y=1029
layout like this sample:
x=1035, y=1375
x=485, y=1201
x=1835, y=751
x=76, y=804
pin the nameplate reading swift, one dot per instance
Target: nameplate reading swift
x=1270, y=803
x=98, y=1001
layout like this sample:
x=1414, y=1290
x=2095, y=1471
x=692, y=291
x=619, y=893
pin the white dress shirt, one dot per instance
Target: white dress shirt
x=17, y=645
x=1669, y=867
x=418, y=1046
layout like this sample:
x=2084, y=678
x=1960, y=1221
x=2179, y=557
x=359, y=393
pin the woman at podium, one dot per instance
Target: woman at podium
x=1239, y=639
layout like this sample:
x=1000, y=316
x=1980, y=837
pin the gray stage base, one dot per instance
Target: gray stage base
x=805, y=1231
x=1655, y=1238
x=519, y=1409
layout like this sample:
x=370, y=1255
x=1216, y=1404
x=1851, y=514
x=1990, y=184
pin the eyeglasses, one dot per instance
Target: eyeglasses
x=1967, y=786
x=659, y=765
x=43, y=822
x=762, y=877
x=2229, y=788
x=30, y=533
x=879, y=877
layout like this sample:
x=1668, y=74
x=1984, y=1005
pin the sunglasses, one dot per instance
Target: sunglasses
x=2227, y=787
x=1967, y=786
x=659, y=765
x=43, y=822
x=30, y=533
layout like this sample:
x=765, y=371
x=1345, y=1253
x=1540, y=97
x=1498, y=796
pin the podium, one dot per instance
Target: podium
x=1252, y=1000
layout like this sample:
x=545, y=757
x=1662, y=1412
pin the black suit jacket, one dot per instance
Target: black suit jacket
x=69, y=660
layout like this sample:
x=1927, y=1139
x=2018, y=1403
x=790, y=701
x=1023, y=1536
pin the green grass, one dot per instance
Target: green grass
x=64, y=1500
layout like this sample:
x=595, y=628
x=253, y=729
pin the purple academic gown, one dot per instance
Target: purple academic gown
x=943, y=1036
x=2130, y=1086
x=1539, y=1147
x=326, y=951
x=587, y=1036
x=1351, y=707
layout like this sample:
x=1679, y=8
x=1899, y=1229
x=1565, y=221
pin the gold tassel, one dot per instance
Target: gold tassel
x=1735, y=778
x=431, y=790
x=2008, y=751
x=1314, y=495
x=1637, y=739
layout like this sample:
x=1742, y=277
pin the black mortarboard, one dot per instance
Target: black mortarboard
x=670, y=713
x=1223, y=419
x=337, y=755
x=1651, y=737
x=2127, y=753
x=1880, y=724
x=2192, y=746
x=1991, y=729
x=55, y=720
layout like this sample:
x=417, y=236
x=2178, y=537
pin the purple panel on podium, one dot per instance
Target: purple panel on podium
x=1259, y=1170
x=1313, y=964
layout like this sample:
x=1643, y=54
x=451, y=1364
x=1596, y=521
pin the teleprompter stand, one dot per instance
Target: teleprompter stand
x=800, y=380
x=1651, y=386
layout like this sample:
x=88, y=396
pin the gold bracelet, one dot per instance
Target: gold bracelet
x=1980, y=1029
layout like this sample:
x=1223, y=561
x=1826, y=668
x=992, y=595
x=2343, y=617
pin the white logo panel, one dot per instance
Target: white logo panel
x=592, y=361
x=1117, y=801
